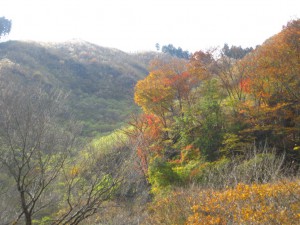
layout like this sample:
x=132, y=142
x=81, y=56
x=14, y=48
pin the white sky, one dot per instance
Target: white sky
x=136, y=25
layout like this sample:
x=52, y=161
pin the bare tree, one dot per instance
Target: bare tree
x=89, y=180
x=49, y=179
x=33, y=148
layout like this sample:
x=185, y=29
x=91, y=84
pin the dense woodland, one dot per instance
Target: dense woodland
x=90, y=135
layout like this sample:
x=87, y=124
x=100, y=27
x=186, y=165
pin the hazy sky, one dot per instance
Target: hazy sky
x=136, y=25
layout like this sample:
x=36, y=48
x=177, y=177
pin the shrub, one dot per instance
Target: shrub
x=161, y=175
x=277, y=203
x=271, y=203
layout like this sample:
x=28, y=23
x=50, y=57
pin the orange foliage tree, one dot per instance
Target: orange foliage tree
x=144, y=133
x=166, y=88
x=272, y=86
x=164, y=94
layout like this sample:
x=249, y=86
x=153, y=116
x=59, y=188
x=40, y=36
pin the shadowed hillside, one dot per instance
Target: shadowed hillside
x=99, y=80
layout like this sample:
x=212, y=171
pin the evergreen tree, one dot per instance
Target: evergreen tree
x=5, y=26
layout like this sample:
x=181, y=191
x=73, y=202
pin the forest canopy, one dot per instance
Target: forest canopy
x=221, y=122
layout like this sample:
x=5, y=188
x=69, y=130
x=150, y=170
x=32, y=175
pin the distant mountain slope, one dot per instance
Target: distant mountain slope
x=100, y=80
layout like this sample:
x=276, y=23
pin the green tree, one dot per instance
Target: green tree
x=5, y=26
x=205, y=126
x=177, y=52
x=235, y=52
x=157, y=46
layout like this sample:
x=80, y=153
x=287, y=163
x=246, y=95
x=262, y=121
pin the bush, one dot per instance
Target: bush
x=271, y=203
x=276, y=203
x=161, y=175
x=260, y=165
x=172, y=208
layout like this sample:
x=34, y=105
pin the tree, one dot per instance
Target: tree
x=87, y=181
x=48, y=180
x=33, y=148
x=5, y=26
x=235, y=52
x=268, y=83
x=177, y=52
x=202, y=126
x=157, y=46
x=144, y=136
x=154, y=96
x=165, y=91
x=210, y=119
x=232, y=77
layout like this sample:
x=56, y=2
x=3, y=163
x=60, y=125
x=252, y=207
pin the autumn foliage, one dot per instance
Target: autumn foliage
x=205, y=116
x=272, y=203
x=249, y=204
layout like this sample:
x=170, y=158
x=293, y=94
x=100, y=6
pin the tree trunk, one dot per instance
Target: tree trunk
x=28, y=220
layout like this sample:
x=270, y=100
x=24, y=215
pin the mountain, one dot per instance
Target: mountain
x=100, y=81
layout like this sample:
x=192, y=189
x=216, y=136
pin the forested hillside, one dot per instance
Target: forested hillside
x=210, y=138
x=219, y=136
x=99, y=80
